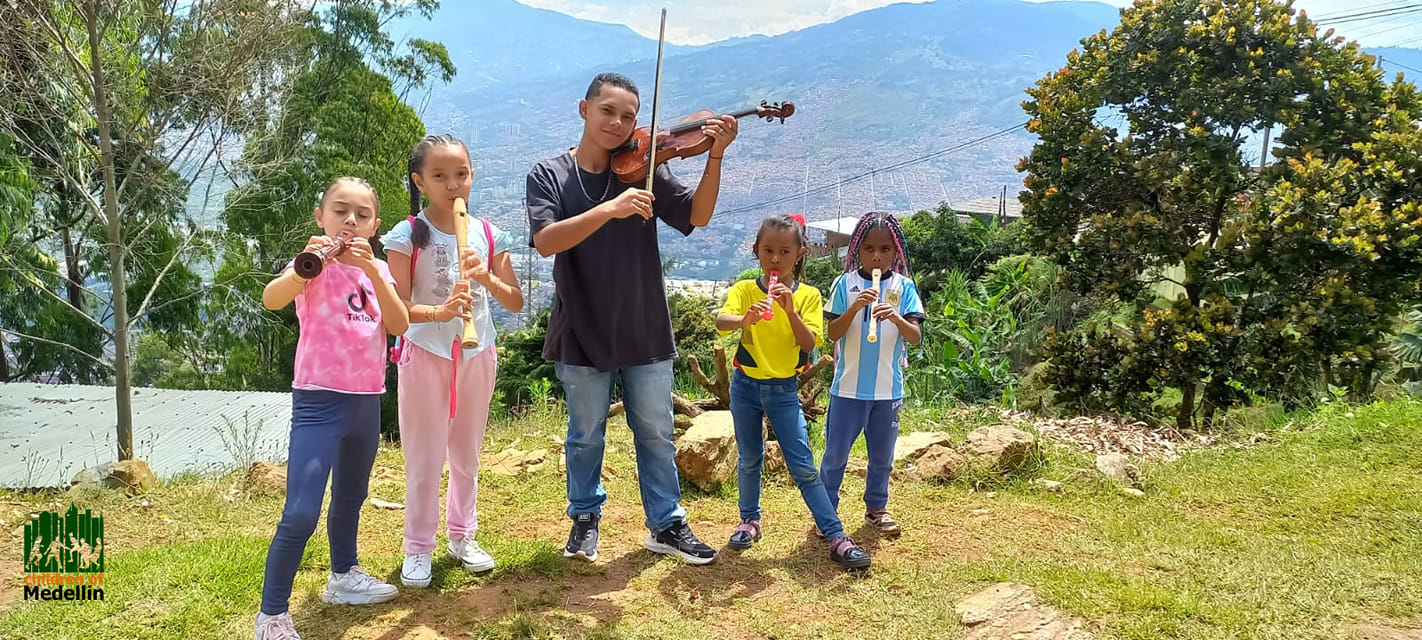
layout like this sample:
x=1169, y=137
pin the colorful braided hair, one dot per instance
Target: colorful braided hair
x=419, y=232
x=876, y=220
x=785, y=222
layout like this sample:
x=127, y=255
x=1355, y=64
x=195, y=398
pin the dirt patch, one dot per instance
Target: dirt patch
x=1371, y=631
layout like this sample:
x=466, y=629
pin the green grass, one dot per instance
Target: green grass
x=1298, y=536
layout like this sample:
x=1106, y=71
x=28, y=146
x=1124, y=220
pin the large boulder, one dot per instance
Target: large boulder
x=265, y=477
x=133, y=476
x=909, y=447
x=1118, y=468
x=939, y=464
x=1009, y=610
x=1000, y=448
x=706, y=453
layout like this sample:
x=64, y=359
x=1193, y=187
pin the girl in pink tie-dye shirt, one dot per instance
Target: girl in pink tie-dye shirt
x=345, y=312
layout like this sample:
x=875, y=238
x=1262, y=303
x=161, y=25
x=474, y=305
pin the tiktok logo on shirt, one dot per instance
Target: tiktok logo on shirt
x=357, y=302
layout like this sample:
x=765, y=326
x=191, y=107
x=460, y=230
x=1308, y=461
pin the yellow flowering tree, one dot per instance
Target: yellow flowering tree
x=1143, y=186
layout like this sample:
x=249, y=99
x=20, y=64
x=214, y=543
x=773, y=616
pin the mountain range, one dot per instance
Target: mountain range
x=891, y=95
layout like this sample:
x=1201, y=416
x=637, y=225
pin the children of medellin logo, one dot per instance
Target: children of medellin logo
x=64, y=556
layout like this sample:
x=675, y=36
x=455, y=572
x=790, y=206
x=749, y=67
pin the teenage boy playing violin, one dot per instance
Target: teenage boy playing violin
x=610, y=319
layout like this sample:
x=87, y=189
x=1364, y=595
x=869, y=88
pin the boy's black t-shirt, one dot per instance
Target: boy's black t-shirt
x=609, y=302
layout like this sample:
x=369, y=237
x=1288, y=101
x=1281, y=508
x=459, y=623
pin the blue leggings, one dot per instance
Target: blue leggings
x=332, y=434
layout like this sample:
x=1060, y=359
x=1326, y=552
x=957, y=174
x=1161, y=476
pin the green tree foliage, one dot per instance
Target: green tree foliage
x=107, y=101
x=341, y=115
x=939, y=243
x=1141, y=178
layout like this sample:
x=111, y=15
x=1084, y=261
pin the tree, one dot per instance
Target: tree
x=1140, y=177
x=342, y=115
x=938, y=243
x=140, y=89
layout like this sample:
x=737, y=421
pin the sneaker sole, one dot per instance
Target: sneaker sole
x=332, y=598
x=580, y=555
x=476, y=568
x=856, y=565
x=742, y=547
x=887, y=533
x=659, y=548
x=418, y=584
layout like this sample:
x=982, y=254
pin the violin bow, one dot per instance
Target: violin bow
x=656, y=95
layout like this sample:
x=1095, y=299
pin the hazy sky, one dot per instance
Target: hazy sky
x=699, y=21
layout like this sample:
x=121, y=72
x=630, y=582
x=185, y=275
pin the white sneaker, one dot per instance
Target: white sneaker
x=416, y=570
x=357, y=587
x=468, y=552
x=277, y=627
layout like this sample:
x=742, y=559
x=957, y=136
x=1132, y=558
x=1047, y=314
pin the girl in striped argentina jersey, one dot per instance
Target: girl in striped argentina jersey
x=868, y=388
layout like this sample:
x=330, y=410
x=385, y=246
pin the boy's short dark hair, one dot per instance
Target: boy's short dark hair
x=614, y=79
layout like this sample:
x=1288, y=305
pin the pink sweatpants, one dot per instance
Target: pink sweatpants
x=427, y=434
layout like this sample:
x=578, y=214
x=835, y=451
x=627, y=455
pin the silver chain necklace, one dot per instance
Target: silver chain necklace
x=605, y=187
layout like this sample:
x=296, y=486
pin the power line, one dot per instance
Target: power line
x=1398, y=64
x=1389, y=29
x=870, y=173
x=1336, y=14
x=1374, y=15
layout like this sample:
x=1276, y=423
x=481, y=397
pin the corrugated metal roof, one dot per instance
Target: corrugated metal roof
x=837, y=225
x=48, y=433
x=990, y=207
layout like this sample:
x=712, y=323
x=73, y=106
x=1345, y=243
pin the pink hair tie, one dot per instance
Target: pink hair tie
x=799, y=218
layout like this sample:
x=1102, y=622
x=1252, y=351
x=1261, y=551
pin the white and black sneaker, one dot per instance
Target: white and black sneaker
x=678, y=540
x=582, y=540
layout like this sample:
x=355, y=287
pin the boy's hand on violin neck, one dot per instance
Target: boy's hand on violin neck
x=721, y=131
x=632, y=202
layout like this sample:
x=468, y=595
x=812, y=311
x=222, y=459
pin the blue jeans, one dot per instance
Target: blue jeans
x=332, y=434
x=647, y=395
x=879, y=421
x=750, y=400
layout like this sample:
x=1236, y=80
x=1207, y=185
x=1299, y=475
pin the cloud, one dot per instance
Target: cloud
x=700, y=22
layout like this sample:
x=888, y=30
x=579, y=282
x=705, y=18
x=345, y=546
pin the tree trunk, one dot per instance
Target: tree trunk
x=4, y=361
x=1363, y=385
x=73, y=280
x=720, y=388
x=118, y=279
x=1184, y=415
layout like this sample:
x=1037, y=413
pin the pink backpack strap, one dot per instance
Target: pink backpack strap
x=399, y=349
x=456, y=350
x=489, y=237
x=415, y=253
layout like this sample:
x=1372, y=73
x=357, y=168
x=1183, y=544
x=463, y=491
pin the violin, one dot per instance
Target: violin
x=684, y=140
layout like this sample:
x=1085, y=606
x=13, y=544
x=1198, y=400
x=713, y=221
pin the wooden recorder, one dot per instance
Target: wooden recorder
x=308, y=264
x=470, y=338
x=873, y=323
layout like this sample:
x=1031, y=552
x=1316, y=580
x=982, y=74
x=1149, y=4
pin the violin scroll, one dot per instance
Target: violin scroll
x=771, y=111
